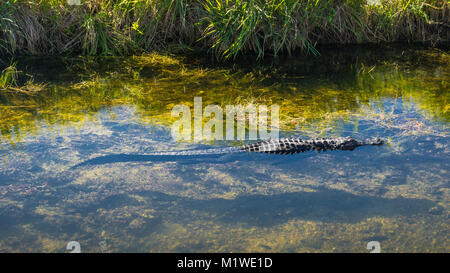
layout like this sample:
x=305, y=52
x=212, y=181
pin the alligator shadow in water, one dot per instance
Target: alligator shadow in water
x=324, y=205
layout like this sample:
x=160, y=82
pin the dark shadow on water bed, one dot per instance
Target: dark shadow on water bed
x=324, y=205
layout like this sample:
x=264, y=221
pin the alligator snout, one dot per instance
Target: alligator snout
x=375, y=141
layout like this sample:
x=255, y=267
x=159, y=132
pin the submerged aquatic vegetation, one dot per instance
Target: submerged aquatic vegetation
x=227, y=27
x=9, y=78
x=309, y=103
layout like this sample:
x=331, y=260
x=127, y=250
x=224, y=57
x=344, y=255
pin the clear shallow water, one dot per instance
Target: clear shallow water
x=397, y=194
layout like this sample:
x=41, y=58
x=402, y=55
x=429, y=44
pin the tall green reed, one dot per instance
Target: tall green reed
x=226, y=27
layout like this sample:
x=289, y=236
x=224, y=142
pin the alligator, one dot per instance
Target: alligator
x=297, y=145
x=273, y=146
x=286, y=146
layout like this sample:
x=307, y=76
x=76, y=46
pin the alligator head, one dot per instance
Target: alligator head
x=349, y=143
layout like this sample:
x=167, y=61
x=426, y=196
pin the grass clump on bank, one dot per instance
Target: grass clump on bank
x=225, y=27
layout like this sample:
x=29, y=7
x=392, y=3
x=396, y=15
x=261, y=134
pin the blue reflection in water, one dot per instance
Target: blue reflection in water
x=99, y=179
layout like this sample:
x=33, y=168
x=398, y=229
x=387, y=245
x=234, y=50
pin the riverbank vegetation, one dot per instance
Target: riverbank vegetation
x=225, y=28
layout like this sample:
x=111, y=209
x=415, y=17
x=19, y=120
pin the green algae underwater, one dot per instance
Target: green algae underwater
x=337, y=201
